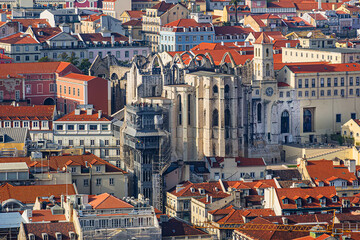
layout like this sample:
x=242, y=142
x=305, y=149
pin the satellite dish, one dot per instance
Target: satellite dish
x=309, y=34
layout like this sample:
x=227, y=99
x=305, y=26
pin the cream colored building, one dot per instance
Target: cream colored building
x=351, y=129
x=159, y=15
x=322, y=91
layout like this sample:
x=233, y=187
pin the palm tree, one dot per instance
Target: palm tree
x=235, y=3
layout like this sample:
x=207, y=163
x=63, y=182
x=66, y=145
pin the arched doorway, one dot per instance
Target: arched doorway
x=307, y=121
x=49, y=101
x=285, y=122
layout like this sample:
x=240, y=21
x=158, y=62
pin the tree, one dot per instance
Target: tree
x=73, y=59
x=235, y=3
x=64, y=57
x=45, y=59
x=85, y=65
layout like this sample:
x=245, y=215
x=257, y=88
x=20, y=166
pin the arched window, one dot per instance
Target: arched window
x=227, y=91
x=307, y=121
x=267, y=52
x=179, y=109
x=285, y=122
x=215, y=118
x=227, y=118
x=259, y=113
x=267, y=70
x=215, y=89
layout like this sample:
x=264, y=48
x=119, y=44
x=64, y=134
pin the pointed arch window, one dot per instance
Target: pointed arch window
x=215, y=118
x=285, y=122
x=259, y=112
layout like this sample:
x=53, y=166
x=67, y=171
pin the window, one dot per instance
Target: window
x=300, y=93
x=71, y=142
x=35, y=124
x=285, y=122
x=342, y=92
x=7, y=124
x=28, y=89
x=215, y=118
x=44, y=124
x=17, y=95
x=64, y=89
x=126, y=54
x=288, y=94
x=215, y=89
x=335, y=82
x=106, y=142
x=60, y=142
x=73, y=169
x=307, y=120
x=81, y=142
x=86, y=182
x=306, y=93
x=16, y=124
x=70, y=127
x=322, y=93
x=351, y=81
x=81, y=127
x=98, y=168
x=98, y=181
x=52, y=87
x=329, y=92
x=299, y=83
x=93, y=127
x=92, y=142
x=74, y=91
x=335, y=92
x=313, y=94
x=357, y=81
x=17, y=58
x=69, y=90
x=259, y=111
x=117, y=142
x=106, y=153
x=59, y=127
x=111, y=181
x=281, y=94
x=104, y=127
x=353, y=115
x=27, y=58
x=342, y=83
x=321, y=82
x=329, y=82
x=306, y=83
x=338, y=117
x=351, y=91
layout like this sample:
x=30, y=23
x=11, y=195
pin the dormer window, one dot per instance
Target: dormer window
x=2, y=138
x=98, y=168
x=309, y=200
x=298, y=202
x=31, y=236
x=334, y=199
x=201, y=191
x=323, y=202
x=321, y=184
x=285, y=201
x=58, y=236
x=7, y=124
x=45, y=236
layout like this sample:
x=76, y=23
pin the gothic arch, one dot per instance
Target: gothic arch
x=178, y=59
x=215, y=118
x=158, y=58
x=232, y=61
x=204, y=61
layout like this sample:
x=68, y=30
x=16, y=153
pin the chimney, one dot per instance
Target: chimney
x=222, y=43
x=288, y=45
x=89, y=111
x=207, y=198
x=77, y=111
x=112, y=40
x=285, y=221
x=333, y=7
x=210, y=199
x=319, y=4
x=99, y=113
x=62, y=200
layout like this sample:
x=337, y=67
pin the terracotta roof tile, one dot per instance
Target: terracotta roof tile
x=133, y=23
x=263, y=38
x=51, y=229
x=19, y=38
x=28, y=194
x=46, y=216
x=323, y=67
x=33, y=22
x=30, y=68
x=28, y=112
x=175, y=227
x=83, y=116
x=107, y=201
x=136, y=14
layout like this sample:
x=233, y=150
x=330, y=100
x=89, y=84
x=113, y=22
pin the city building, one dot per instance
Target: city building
x=37, y=118
x=115, y=8
x=338, y=173
x=77, y=89
x=63, y=16
x=87, y=4
x=129, y=15
x=233, y=169
x=98, y=22
x=351, y=129
x=33, y=82
x=184, y=34
x=288, y=201
x=21, y=47
x=142, y=5
x=53, y=230
x=14, y=142
x=90, y=129
x=158, y=16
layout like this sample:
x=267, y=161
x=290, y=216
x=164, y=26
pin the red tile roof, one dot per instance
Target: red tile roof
x=236, y=216
x=189, y=189
x=31, y=22
x=136, y=14
x=28, y=194
x=281, y=5
x=107, y=201
x=325, y=171
x=51, y=229
x=83, y=116
x=19, y=38
x=263, y=38
x=43, y=34
x=317, y=16
x=177, y=227
x=46, y=216
x=163, y=6
x=41, y=112
x=185, y=23
x=315, y=193
x=323, y=67
x=93, y=17
x=232, y=30
x=133, y=23
x=30, y=68
x=80, y=77
x=215, y=162
x=98, y=37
